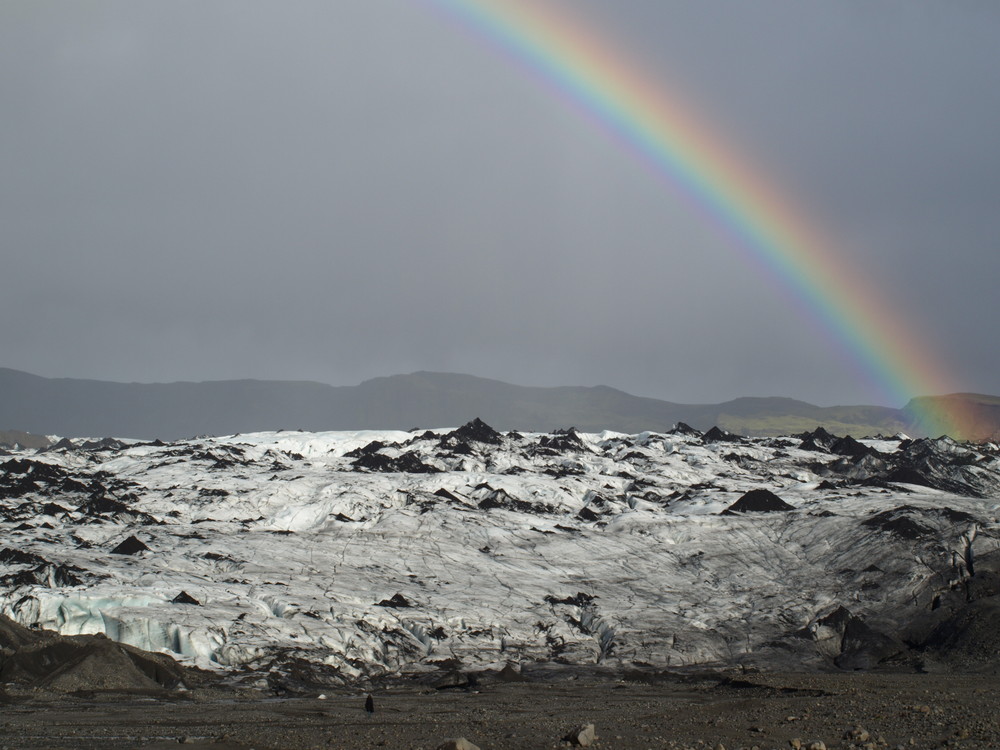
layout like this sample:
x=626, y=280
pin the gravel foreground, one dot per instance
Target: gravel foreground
x=847, y=710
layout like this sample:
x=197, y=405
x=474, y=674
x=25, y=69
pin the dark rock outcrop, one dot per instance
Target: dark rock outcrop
x=407, y=463
x=131, y=546
x=396, y=601
x=476, y=431
x=864, y=647
x=716, y=435
x=683, y=428
x=563, y=441
x=757, y=501
x=184, y=598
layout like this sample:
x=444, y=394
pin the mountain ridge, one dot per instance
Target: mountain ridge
x=75, y=407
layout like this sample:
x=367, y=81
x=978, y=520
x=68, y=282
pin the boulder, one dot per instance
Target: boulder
x=582, y=736
x=459, y=743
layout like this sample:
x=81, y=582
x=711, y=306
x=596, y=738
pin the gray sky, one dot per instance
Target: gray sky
x=342, y=189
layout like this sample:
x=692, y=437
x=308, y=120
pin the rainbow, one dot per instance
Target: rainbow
x=666, y=134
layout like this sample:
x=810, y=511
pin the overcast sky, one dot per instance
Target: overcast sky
x=342, y=189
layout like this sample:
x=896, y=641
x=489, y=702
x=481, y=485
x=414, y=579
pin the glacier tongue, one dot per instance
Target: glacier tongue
x=376, y=553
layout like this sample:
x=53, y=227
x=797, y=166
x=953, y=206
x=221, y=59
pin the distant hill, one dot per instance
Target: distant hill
x=93, y=408
x=20, y=439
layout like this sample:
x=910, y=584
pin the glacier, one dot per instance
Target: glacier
x=374, y=554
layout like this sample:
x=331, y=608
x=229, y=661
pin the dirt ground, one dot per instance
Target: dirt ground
x=761, y=710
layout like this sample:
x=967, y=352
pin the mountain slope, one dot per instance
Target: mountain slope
x=929, y=415
x=72, y=407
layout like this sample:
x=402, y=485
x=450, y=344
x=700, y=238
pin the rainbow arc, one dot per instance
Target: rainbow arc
x=664, y=131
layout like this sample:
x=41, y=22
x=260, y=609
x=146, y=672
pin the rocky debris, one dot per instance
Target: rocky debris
x=716, y=435
x=744, y=462
x=22, y=476
x=456, y=680
x=581, y=599
x=857, y=734
x=940, y=464
x=504, y=500
x=407, y=463
x=53, y=509
x=366, y=450
x=848, y=446
x=70, y=485
x=582, y=736
x=563, y=441
x=851, y=642
x=185, y=598
x=900, y=522
x=818, y=440
x=510, y=673
x=757, y=501
x=410, y=463
x=46, y=574
x=821, y=441
x=104, y=444
x=20, y=557
x=13, y=635
x=100, y=504
x=965, y=635
x=944, y=465
x=863, y=647
x=378, y=462
x=909, y=522
x=289, y=673
x=836, y=620
x=63, y=444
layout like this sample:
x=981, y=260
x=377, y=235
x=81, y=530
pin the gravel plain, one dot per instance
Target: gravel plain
x=766, y=710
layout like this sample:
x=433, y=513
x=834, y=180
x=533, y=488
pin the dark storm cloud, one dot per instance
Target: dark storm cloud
x=335, y=191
